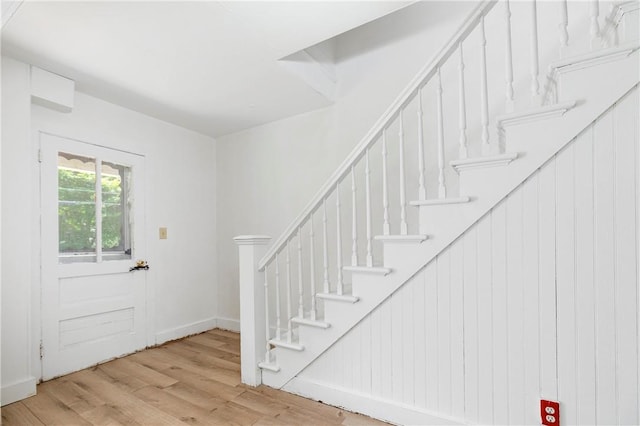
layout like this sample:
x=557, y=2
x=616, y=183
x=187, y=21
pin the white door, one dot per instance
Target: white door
x=92, y=203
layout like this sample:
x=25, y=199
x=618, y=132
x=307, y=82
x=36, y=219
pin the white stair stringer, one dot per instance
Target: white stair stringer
x=534, y=141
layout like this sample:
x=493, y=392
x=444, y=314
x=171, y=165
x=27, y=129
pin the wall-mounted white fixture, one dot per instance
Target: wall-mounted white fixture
x=51, y=90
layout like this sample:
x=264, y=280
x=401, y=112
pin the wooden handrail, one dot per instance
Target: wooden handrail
x=425, y=74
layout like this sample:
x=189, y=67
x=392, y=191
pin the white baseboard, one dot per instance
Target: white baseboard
x=229, y=324
x=197, y=327
x=18, y=390
x=379, y=408
x=186, y=330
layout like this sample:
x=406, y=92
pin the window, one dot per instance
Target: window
x=93, y=210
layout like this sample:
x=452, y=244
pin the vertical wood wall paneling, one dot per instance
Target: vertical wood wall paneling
x=500, y=318
x=515, y=307
x=386, y=358
x=624, y=122
x=485, y=322
x=605, y=271
x=408, y=324
x=547, y=274
x=539, y=299
x=431, y=311
x=531, y=295
x=565, y=284
x=419, y=333
x=444, y=332
x=456, y=313
x=338, y=371
x=397, y=348
x=585, y=290
x=366, y=348
x=376, y=349
x=470, y=324
x=352, y=355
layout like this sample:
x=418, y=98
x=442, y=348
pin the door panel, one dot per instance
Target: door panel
x=93, y=307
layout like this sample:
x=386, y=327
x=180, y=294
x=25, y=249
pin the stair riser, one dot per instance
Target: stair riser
x=363, y=283
x=311, y=334
x=571, y=84
x=432, y=219
x=337, y=311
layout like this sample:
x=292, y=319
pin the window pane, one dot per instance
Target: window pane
x=115, y=211
x=76, y=208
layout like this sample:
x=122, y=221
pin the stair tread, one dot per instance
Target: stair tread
x=310, y=322
x=271, y=366
x=622, y=50
x=283, y=343
x=537, y=113
x=417, y=238
x=338, y=297
x=376, y=270
x=440, y=201
x=482, y=162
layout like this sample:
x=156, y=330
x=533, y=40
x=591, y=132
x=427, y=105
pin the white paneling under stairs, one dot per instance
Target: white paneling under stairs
x=538, y=299
x=471, y=305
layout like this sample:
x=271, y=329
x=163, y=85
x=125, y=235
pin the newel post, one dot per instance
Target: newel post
x=252, y=330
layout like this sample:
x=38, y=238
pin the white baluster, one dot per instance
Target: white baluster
x=289, y=325
x=312, y=268
x=385, y=189
x=367, y=173
x=463, y=153
x=484, y=94
x=354, y=223
x=509, y=58
x=339, y=240
x=422, y=192
x=594, y=27
x=300, y=286
x=325, y=248
x=442, y=190
x=535, y=68
x=267, y=354
x=611, y=38
x=403, y=212
x=564, y=23
x=278, y=325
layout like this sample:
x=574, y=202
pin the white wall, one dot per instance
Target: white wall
x=181, y=182
x=18, y=379
x=268, y=174
x=539, y=299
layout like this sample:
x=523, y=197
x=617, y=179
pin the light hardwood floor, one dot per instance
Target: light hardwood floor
x=194, y=381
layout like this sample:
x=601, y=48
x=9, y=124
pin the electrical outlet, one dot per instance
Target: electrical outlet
x=163, y=233
x=549, y=412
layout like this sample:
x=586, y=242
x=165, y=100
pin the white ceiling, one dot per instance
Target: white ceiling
x=211, y=66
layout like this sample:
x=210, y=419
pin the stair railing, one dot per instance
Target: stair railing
x=378, y=130
x=316, y=219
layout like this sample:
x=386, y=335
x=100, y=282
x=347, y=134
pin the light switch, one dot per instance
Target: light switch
x=163, y=233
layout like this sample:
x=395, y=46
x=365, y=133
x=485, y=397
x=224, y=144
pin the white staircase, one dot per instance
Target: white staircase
x=309, y=305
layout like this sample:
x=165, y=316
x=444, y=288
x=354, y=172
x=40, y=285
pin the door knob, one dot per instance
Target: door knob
x=140, y=264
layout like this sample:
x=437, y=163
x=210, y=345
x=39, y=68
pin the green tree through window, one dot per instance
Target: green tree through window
x=77, y=206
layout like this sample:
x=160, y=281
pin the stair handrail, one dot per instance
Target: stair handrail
x=405, y=97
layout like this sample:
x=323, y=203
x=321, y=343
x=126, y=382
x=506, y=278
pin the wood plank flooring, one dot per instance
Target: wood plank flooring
x=193, y=381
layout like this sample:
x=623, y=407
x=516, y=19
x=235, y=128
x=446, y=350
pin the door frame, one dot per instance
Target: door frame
x=37, y=284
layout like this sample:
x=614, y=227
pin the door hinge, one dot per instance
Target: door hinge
x=39, y=156
x=41, y=350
